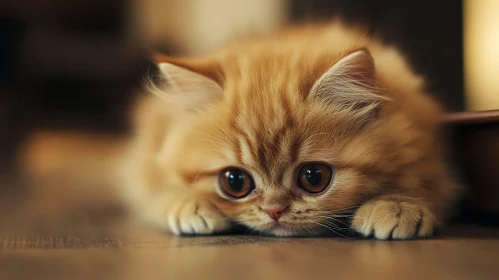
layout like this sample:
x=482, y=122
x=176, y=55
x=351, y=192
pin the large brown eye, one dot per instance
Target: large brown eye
x=236, y=182
x=314, y=177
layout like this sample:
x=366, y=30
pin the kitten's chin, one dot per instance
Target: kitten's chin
x=284, y=230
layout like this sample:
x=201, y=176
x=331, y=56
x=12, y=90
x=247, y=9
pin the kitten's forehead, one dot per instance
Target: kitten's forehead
x=275, y=67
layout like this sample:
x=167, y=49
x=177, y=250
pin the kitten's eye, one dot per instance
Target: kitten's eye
x=314, y=177
x=236, y=182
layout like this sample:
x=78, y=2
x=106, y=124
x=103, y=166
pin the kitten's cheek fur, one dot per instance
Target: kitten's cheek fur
x=195, y=218
x=384, y=218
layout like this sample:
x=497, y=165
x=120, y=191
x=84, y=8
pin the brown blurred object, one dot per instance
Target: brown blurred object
x=70, y=173
x=476, y=147
x=83, y=156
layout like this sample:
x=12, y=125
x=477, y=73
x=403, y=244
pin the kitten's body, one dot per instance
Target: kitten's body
x=267, y=105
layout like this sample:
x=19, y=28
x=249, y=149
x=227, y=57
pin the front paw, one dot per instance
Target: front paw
x=397, y=219
x=196, y=218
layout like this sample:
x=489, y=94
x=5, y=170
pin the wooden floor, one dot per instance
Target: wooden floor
x=460, y=253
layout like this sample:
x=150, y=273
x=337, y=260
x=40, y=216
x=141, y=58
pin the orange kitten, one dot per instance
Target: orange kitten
x=287, y=133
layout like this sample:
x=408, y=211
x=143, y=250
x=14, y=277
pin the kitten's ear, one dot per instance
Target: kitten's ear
x=192, y=84
x=349, y=84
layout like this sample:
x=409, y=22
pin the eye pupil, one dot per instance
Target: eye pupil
x=235, y=178
x=313, y=176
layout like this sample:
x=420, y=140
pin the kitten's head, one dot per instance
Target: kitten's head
x=283, y=145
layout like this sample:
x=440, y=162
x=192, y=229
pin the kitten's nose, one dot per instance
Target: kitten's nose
x=275, y=212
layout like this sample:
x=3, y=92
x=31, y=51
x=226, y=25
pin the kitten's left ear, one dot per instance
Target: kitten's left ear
x=193, y=83
x=349, y=84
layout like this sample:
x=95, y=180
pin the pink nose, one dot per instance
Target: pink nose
x=275, y=212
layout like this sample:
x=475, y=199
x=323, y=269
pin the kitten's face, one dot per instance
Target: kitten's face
x=274, y=159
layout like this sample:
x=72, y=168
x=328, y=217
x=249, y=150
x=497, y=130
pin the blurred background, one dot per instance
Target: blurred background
x=69, y=70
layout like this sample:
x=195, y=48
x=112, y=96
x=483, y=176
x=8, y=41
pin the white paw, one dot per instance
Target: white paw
x=398, y=220
x=196, y=218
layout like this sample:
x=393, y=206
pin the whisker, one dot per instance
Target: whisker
x=332, y=230
x=330, y=223
x=334, y=219
x=336, y=226
x=327, y=227
x=338, y=210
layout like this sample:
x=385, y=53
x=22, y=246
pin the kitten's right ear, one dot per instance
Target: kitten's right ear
x=192, y=84
x=350, y=84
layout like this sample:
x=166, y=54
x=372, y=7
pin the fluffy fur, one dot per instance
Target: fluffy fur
x=267, y=104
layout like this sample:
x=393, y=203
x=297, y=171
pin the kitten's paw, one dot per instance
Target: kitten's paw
x=196, y=218
x=396, y=219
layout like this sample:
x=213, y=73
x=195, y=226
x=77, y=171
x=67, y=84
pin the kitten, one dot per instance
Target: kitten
x=287, y=133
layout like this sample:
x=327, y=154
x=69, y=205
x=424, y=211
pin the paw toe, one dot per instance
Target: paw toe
x=361, y=221
x=427, y=224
